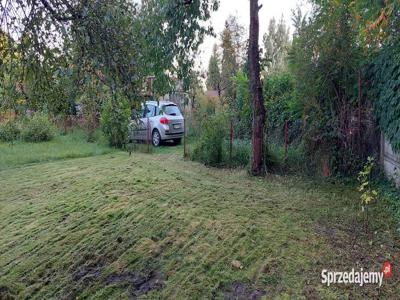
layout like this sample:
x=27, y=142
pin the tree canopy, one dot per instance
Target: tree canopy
x=276, y=45
x=120, y=42
x=214, y=73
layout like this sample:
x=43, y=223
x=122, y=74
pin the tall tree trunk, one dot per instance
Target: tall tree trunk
x=256, y=93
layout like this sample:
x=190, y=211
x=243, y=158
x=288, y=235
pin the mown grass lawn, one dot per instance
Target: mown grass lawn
x=156, y=226
x=72, y=145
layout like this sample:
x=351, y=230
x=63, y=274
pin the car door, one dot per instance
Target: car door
x=147, y=119
x=133, y=128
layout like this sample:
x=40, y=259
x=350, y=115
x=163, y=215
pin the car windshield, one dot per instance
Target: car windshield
x=171, y=110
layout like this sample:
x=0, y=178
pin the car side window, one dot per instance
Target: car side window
x=149, y=111
x=142, y=112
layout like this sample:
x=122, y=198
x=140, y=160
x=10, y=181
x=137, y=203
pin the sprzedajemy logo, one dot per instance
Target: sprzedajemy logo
x=387, y=270
x=360, y=277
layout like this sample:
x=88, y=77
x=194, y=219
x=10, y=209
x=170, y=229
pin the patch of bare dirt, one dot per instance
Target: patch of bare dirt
x=63, y=218
x=350, y=242
x=87, y=273
x=242, y=291
x=139, y=283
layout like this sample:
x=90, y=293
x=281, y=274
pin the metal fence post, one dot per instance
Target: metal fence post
x=286, y=140
x=184, y=139
x=148, y=135
x=231, y=143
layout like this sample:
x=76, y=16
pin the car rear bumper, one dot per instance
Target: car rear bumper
x=170, y=136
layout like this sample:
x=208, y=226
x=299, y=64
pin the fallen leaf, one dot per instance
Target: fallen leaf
x=236, y=264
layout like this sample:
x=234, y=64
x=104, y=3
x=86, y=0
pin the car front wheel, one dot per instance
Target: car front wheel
x=156, y=139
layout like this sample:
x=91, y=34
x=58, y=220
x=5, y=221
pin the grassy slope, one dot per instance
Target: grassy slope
x=61, y=147
x=65, y=226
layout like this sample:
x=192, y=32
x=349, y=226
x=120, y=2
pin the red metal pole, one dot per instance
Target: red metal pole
x=184, y=138
x=231, y=143
x=286, y=140
x=148, y=135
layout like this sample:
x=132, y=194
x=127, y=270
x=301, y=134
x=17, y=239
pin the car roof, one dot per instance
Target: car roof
x=160, y=103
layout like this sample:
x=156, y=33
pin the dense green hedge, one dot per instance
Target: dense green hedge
x=36, y=128
x=9, y=131
x=114, y=121
x=385, y=74
x=209, y=146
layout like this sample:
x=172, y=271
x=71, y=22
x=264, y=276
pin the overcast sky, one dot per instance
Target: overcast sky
x=241, y=8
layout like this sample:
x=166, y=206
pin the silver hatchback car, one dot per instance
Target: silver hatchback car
x=158, y=121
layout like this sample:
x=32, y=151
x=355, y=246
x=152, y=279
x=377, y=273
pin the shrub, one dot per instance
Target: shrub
x=241, y=152
x=9, y=131
x=209, y=148
x=368, y=194
x=389, y=198
x=114, y=121
x=295, y=162
x=213, y=146
x=37, y=128
x=241, y=155
x=241, y=111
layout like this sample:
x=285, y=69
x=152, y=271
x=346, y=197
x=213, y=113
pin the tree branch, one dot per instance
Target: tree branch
x=184, y=3
x=54, y=13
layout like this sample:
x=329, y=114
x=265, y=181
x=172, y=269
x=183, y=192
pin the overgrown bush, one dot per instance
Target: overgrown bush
x=114, y=121
x=37, y=128
x=209, y=147
x=385, y=74
x=213, y=146
x=241, y=152
x=9, y=131
x=389, y=196
x=282, y=105
x=241, y=111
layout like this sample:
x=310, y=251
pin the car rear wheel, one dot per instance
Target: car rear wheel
x=156, y=138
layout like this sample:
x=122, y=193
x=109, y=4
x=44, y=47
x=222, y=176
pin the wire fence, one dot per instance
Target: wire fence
x=139, y=136
x=231, y=148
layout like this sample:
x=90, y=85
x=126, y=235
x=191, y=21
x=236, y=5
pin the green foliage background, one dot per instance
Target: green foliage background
x=385, y=77
x=114, y=121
